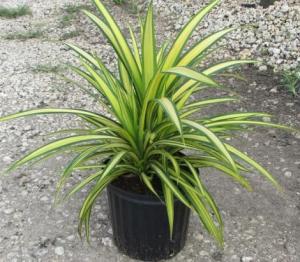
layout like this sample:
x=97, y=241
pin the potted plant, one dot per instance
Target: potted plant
x=138, y=153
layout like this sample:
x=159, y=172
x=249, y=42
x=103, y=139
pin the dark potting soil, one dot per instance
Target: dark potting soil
x=133, y=184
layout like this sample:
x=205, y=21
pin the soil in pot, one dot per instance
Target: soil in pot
x=140, y=222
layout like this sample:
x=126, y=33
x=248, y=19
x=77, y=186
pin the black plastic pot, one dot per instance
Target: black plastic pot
x=140, y=225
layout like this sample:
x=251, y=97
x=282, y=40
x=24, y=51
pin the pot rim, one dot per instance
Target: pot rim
x=135, y=197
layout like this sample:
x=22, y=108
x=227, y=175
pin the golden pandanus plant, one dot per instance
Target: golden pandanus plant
x=153, y=120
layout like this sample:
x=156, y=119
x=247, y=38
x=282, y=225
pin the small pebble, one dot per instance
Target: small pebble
x=44, y=198
x=235, y=258
x=59, y=251
x=288, y=174
x=289, y=104
x=27, y=128
x=203, y=253
x=274, y=90
x=106, y=241
x=24, y=193
x=290, y=248
x=285, y=8
x=8, y=211
x=263, y=68
x=71, y=237
x=7, y=159
x=266, y=119
x=247, y=259
x=199, y=237
x=41, y=252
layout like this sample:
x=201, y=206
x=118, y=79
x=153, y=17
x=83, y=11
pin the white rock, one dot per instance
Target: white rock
x=7, y=159
x=275, y=51
x=289, y=104
x=44, y=198
x=106, y=241
x=203, y=253
x=71, y=237
x=8, y=211
x=110, y=231
x=274, y=90
x=290, y=248
x=297, y=135
x=11, y=256
x=24, y=193
x=27, y=128
x=235, y=258
x=42, y=252
x=263, y=68
x=199, y=237
x=59, y=251
x=288, y=174
x=285, y=8
x=102, y=216
x=267, y=119
x=247, y=259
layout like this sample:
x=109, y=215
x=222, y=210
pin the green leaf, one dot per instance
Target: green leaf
x=63, y=143
x=169, y=157
x=224, y=65
x=106, y=89
x=184, y=88
x=196, y=106
x=169, y=201
x=249, y=122
x=88, y=57
x=83, y=183
x=204, y=215
x=90, y=200
x=135, y=49
x=217, y=164
x=166, y=180
x=203, y=45
x=125, y=52
x=210, y=101
x=112, y=163
x=185, y=34
x=183, y=100
x=204, y=193
x=191, y=74
x=196, y=176
x=125, y=78
x=81, y=113
x=171, y=111
x=214, y=139
x=196, y=52
x=254, y=164
x=235, y=116
x=73, y=164
x=161, y=53
x=148, y=183
x=149, y=48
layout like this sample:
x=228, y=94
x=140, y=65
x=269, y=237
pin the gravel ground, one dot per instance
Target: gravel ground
x=271, y=34
x=260, y=226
